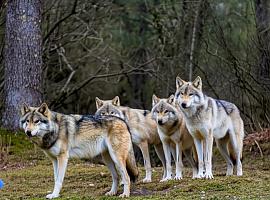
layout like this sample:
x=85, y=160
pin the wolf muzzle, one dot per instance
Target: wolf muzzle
x=28, y=133
x=160, y=122
x=184, y=105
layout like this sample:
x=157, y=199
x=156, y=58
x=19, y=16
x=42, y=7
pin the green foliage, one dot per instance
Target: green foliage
x=18, y=142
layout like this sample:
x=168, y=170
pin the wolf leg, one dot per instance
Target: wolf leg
x=188, y=154
x=146, y=159
x=236, y=149
x=208, y=150
x=199, y=148
x=178, y=162
x=173, y=150
x=160, y=153
x=109, y=162
x=222, y=145
x=62, y=166
x=121, y=167
x=55, y=168
x=166, y=148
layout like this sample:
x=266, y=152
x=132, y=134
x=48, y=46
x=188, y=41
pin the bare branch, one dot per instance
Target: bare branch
x=73, y=11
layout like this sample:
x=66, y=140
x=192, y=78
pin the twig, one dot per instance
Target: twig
x=193, y=41
x=73, y=11
x=259, y=148
x=61, y=51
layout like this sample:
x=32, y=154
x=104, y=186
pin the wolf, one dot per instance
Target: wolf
x=207, y=118
x=174, y=136
x=142, y=127
x=63, y=136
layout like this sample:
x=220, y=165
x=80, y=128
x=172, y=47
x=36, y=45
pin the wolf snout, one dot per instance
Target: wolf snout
x=160, y=122
x=28, y=133
x=184, y=105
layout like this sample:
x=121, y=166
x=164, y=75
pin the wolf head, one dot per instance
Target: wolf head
x=109, y=107
x=37, y=121
x=163, y=110
x=189, y=94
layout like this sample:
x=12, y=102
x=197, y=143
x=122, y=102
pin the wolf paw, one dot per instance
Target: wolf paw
x=52, y=196
x=165, y=179
x=123, y=195
x=209, y=175
x=229, y=172
x=178, y=177
x=239, y=172
x=199, y=175
x=147, y=180
x=111, y=193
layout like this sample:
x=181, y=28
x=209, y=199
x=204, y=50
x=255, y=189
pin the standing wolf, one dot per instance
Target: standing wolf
x=173, y=135
x=62, y=136
x=207, y=118
x=142, y=127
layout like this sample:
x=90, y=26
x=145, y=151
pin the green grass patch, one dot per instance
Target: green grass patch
x=28, y=174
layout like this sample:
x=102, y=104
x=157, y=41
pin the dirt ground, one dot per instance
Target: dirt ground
x=28, y=174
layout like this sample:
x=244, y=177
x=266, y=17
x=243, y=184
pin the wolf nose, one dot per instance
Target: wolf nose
x=28, y=133
x=160, y=122
x=184, y=105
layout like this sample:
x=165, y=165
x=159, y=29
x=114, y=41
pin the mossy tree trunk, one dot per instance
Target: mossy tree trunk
x=22, y=58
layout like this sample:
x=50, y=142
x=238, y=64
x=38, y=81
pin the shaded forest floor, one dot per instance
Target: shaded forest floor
x=28, y=174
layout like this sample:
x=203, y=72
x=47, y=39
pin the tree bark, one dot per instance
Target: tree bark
x=263, y=31
x=22, y=59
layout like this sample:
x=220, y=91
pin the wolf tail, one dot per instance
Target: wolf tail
x=239, y=134
x=131, y=166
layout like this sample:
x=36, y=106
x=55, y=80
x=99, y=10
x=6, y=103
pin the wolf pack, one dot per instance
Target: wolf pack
x=184, y=124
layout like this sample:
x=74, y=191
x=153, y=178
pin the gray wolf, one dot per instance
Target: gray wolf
x=142, y=127
x=174, y=136
x=207, y=118
x=63, y=136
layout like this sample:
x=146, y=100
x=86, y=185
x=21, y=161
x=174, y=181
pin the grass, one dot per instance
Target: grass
x=29, y=175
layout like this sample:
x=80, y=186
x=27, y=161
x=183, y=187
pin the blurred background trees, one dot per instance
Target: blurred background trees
x=136, y=48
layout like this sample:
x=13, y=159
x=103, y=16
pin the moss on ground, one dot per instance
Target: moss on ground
x=29, y=175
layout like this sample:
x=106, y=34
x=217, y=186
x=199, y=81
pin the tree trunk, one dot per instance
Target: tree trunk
x=22, y=58
x=263, y=31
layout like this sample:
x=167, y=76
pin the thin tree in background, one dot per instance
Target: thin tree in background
x=263, y=25
x=22, y=58
x=193, y=40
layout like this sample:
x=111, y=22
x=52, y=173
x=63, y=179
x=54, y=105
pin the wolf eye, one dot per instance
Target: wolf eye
x=102, y=113
x=182, y=93
x=36, y=121
x=166, y=111
x=190, y=94
x=27, y=121
x=112, y=113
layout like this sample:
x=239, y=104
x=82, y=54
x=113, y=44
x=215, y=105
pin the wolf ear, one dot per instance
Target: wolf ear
x=43, y=109
x=116, y=101
x=179, y=82
x=99, y=103
x=170, y=100
x=24, y=109
x=197, y=83
x=155, y=100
